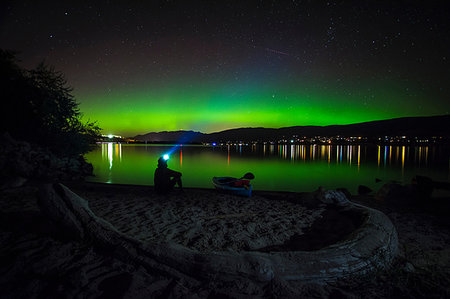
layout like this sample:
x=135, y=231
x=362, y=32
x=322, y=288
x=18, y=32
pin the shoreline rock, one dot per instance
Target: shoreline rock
x=20, y=162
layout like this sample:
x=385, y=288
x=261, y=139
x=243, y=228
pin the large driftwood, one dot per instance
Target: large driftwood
x=373, y=245
x=72, y=213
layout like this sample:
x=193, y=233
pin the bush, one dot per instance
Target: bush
x=38, y=107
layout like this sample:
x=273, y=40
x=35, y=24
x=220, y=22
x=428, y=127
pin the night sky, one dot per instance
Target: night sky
x=214, y=65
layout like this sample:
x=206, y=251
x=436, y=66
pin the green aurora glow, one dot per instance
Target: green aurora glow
x=210, y=107
x=215, y=65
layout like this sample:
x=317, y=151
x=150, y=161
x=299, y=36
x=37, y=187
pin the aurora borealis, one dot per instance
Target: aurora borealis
x=209, y=66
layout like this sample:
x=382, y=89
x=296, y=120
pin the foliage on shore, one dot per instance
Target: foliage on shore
x=38, y=107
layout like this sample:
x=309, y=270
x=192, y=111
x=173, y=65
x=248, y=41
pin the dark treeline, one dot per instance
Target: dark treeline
x=37, y=107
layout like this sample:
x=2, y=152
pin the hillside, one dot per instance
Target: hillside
x=408, y=126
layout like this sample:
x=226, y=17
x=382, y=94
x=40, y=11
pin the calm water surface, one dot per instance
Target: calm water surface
x=276, y=167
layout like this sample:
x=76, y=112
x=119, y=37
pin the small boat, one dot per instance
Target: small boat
x=227, y=184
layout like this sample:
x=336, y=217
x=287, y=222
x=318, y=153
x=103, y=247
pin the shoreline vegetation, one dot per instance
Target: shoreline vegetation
x=40, y=109
x=42, y=133
x=40, y=259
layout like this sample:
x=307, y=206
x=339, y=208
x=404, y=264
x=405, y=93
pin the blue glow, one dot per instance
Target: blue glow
x=166, y=157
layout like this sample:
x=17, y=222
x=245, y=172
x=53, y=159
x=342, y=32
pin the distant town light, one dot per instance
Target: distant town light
x=111, y=136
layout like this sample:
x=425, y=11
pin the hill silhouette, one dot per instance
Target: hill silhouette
x=171, y=136
x=405, y=126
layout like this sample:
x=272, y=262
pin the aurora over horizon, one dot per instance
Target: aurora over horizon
x=211, y=66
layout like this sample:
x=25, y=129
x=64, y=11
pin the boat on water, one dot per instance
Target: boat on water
x=233, y=186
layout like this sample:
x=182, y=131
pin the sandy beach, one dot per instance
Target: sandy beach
x=40, y=261
x=203, y=220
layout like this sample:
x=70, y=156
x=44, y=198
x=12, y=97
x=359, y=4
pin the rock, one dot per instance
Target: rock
x=334, y=197
x=409, y=268
x=363, y=190
x=20, y=159
x=325, y=197
x=320, y=195
x=338, y=197
x=387, y=190
x=397, y=195
x=345, y=191
x=382, y=192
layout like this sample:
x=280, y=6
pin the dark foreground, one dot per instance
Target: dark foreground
x=39, y=261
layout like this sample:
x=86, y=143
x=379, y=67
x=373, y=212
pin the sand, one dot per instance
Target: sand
x=203, y=220
x=38, y=260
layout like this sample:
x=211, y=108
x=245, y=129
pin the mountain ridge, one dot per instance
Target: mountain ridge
x=408, y=126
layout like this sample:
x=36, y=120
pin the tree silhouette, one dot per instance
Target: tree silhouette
x=37, y=106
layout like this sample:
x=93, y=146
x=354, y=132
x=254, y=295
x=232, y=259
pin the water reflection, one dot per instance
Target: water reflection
x=359, y=156
x=295, y=167
x=403, y=160
x=349, y=154
x=111, y=152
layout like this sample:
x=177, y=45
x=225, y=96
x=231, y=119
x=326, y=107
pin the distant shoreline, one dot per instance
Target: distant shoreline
x=173, y=143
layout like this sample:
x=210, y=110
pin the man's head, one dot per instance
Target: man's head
x=162, y=162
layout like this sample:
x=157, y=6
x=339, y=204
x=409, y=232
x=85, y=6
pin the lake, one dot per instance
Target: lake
x=276, y=167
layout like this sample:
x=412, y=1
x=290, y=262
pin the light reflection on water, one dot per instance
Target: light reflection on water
x=276, y=167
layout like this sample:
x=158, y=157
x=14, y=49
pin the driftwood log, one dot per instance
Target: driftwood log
x=372, y=246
